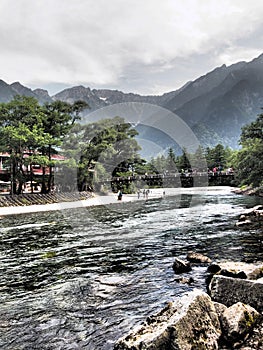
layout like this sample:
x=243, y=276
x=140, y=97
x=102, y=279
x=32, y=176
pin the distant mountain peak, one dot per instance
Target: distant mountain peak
x=2, y=82
x=42, y=95
x=21, y=89
x=16, y=83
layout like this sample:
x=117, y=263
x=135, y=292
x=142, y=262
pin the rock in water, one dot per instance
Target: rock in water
x=185, y=280
x=198, y=258
x=249, y=271
x=190, y=323
x=237, y=270
x=237, y=321
x=228, y=291
x=180, y=266
x=252, y=217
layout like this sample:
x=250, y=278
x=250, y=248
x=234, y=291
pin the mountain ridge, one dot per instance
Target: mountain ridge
x=216, y=105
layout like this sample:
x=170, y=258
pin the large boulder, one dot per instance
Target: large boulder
x=237, y=322
x=180, y=266
x=228, y=291
x=190, y=323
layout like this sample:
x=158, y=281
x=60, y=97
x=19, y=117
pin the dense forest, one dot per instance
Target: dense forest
x=31, y=134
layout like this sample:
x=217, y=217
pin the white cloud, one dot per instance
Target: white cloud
x=97, y=42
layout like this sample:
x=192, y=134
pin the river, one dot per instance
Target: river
x=81, y=278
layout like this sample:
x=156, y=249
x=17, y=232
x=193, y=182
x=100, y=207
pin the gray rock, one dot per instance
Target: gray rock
x=252, y=217
x=180, y=266
x=198, y=258
x=190, y=323
x=220, y=309
x=237, y=321
x=238, y=270
x=256, y=274
x=255, y=341
x=213, y=268
x=228, y=291
x=185, y=280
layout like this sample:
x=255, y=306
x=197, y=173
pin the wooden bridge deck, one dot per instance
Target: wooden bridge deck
x=176, y=180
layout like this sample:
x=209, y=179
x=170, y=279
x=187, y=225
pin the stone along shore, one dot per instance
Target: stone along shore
x=228, y=316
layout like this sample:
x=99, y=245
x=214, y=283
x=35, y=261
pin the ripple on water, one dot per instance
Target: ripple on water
x=82, y=279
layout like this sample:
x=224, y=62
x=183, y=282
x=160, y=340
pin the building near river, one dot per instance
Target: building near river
x=33, y=172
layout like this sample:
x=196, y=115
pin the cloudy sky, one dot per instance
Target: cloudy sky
x=144, y=46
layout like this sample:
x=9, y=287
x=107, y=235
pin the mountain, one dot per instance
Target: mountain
x=229, y=105
x=6, y=92
x=42, y=95
x=22, y=90
x=215, y=106
x=202, y=86
x=75, y=93
x=98, y=98
x=116, y=96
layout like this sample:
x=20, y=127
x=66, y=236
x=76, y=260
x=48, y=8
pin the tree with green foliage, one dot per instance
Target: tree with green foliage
x=31, y=133
x=157, y=165
x=59, y=118
x=216, y=157
x=171, y=161
x=198, y=160
x=20, y=131
x=250, y=158
x=109, y=142
x=183, y=161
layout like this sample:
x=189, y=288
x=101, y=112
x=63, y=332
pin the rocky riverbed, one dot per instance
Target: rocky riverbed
x=81, y=278
x=228, y=317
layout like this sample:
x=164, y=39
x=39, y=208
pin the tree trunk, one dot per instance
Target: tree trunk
x=50, y=176
x=21, y=176
x=20, y=187
x=43, y=185
x=31, y=177
x=13, y=176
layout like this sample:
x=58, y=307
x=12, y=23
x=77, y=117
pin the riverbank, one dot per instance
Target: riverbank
x=249, y=191
x=91, y=199
x=26, y=199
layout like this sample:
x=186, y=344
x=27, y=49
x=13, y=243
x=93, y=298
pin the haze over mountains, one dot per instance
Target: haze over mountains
x=215, y=106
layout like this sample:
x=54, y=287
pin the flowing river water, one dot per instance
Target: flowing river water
x=81, y=278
